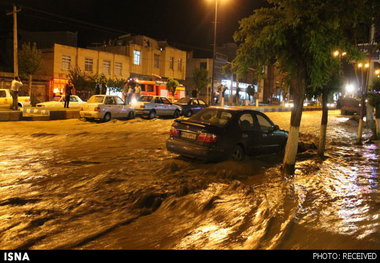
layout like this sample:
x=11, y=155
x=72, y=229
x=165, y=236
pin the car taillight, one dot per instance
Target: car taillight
x=174, y=132
x=96, y=109
x=142, y=106
x=207, y=137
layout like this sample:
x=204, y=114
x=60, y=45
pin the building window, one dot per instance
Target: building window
x=180, y=64
x=118, y=68
x=137, y=57
x=66, y=62
x=171, y=63
x=156, y=60
x=203, y=65
x=88, y=64
x=107, y=67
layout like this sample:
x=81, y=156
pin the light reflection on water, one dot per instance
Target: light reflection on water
x=51, y=189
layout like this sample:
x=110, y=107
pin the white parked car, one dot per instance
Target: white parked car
x=106, y=107
x=75, y=102
x=153, y=106
x=6, y=99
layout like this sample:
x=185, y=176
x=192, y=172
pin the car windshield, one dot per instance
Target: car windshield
x=217, y=117
x=96, y=99
x=183, y=101
x=146, y=98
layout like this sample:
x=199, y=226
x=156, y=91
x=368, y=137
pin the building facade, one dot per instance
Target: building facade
x=149, y=58
x=59, y=60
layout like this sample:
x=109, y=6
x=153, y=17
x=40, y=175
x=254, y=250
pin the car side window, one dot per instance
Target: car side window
x=194, y=102
x=2, y=94
x=157, y=100
x=246, y=121
x=109, y=101
x=201, y=102
x=73, y=99
x=264, y=123
x=119, y=101
x=165, y=101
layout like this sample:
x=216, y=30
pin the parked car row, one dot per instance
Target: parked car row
x=106, y=107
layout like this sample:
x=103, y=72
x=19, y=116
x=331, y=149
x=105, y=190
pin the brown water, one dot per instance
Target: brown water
x=71, y=184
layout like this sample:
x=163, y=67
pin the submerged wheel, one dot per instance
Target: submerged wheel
x=238, y=153
x=107, y=117
x=131, y=115
x=176, y=114
x=189, y=113
x=152, y=114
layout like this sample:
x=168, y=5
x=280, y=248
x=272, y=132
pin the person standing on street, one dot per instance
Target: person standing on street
x=68, y=91
x=125, y=92
x=137, y=92
x=16, y=84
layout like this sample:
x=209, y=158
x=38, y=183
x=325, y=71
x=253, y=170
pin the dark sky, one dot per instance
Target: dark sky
x=187, y=22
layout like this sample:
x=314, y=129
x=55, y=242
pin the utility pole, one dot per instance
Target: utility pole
x=370, y=108
x=15, y=42
x=214, y=51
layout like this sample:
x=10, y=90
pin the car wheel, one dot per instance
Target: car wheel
x=176, y=114
x=238, y=153
x=107, y=117
x=131, y=115
x=152, y=114
x=189, y=113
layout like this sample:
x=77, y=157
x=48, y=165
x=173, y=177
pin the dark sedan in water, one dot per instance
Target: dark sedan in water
x=191, y=105
x=219, y=133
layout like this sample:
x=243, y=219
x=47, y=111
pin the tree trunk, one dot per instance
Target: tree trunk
x=325, y=114
x=377, y=115
x=291, y=149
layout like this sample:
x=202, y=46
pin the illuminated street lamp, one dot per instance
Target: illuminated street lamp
x=339, y=53
x=214, y=47
x=377, y=73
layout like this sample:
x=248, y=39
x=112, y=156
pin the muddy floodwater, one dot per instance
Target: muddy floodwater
x=84, y=185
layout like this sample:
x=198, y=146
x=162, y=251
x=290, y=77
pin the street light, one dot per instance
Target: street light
x=214, y=47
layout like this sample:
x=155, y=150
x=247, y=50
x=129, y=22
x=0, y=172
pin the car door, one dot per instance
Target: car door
x=159, y=106
x=120, y=108
x=250, y=135
x=74, y=102
x=202, y=104
x=269, y=139
x=168, y=108
x=109, y=103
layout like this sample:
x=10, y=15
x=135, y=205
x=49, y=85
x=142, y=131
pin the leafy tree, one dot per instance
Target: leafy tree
x=172, y=85
x=300, y=36
x=30, y=61
x=200, y=80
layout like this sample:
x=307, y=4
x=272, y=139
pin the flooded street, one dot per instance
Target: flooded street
x=84, y=185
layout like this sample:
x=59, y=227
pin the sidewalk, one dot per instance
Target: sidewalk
x=38, y=114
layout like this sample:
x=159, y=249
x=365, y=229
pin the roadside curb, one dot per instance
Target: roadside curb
x=31, y=114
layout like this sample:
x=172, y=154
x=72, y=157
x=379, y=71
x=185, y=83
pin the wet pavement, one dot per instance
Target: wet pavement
x=84, y=185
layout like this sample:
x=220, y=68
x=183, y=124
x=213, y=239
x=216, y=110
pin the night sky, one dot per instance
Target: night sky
x=187, y=22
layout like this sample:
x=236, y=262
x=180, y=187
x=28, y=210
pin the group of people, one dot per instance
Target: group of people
x=131, y=91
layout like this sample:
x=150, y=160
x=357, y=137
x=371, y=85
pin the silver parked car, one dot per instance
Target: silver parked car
x=153, y=106
x=106, y=107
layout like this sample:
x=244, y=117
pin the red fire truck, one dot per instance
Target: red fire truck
x=158, y=88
